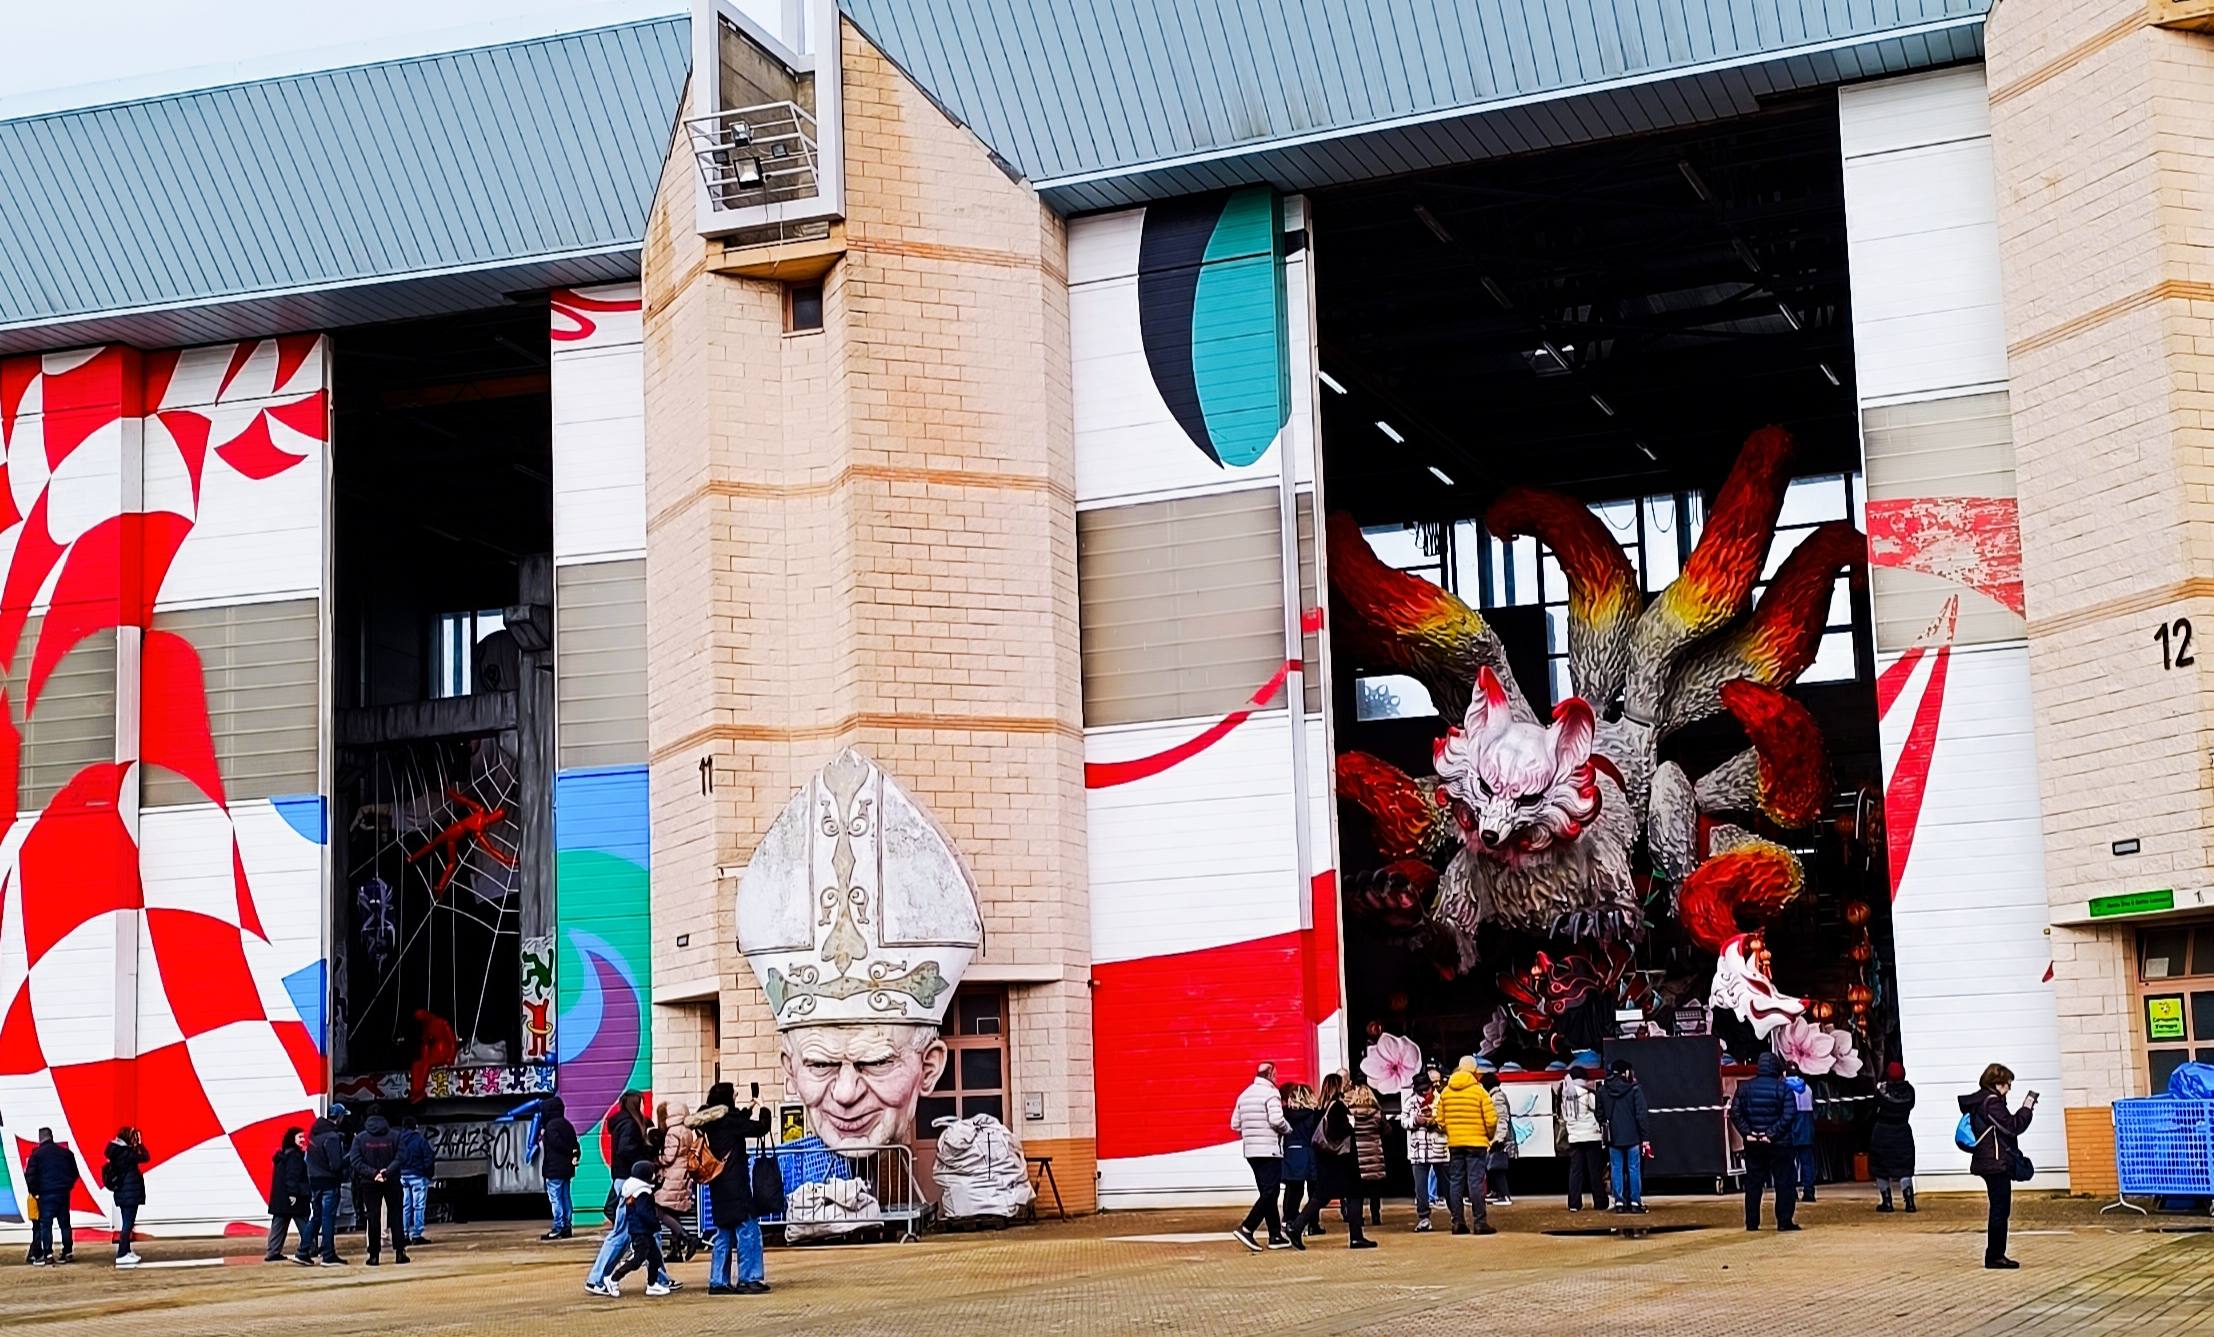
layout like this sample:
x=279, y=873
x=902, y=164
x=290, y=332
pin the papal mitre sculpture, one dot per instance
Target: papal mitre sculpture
x=858, y=918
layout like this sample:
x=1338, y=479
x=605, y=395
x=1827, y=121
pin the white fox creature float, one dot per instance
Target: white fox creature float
x=1558, y=830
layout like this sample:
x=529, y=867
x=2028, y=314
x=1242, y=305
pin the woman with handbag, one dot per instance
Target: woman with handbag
x=1996, y=1155
x=730, y=1192
x=1337, y=1166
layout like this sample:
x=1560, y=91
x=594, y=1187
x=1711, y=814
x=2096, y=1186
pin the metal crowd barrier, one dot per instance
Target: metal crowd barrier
x=831, y=1195
x=2163, y=1147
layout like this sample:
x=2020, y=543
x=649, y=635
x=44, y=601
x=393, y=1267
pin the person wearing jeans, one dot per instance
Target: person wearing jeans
x=558, y=1154
x=728, y=1204
x=1622, y=1113
x=564, y=1215
x=417, y=1165
x=1427, y=1154
x=326, y=1166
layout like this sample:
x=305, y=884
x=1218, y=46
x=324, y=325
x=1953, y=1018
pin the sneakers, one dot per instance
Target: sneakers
x=399, y=1259
x=42, y=1262
x=128, y=1260
x=1459, y=1229
x=272, y=1258
x=1422, y=1227
x=1298, y=1241
x=1245, y=1237
x=1575, y=1209
x=714, y=1288
x=303, y=1262
x=1790, y=1225
x=609, y=1288
x=1278, y=1242
x=1362, y=1244
x=656, y=1289
x=1487, y=1228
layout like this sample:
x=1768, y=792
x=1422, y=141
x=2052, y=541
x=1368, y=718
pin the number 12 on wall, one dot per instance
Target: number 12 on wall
x=2175, y=644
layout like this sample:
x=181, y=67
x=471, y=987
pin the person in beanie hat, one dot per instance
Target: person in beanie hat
x=1427, y=1154
x=1891, y=1141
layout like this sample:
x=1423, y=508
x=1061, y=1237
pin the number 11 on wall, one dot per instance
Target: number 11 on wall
x=2175, y=644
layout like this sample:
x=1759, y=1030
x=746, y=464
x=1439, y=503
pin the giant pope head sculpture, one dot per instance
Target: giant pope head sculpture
x=858, y=918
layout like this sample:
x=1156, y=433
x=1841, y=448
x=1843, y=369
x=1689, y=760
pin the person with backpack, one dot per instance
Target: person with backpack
x=124, y=1177
x=49, y=1174
x=559, y=1151
x=418, y=1165
x=1505, y=1148
x=727, y=1129
x=1990, y=1133
x=679, y=1163
x=1763, y=1111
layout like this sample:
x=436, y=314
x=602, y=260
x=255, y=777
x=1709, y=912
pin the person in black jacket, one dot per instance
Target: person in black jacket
x=626, y=1133
x=1997, y=1131
x=1622, y=1113
x=124, y=1177
x=558, y=1154
x=325, y=1163
x=374, y=1162
x=289, y=1199
x=727, y=1129
x=49, y=1173
x=1891, y=1141
x=1763, y=1112
x=418, y=1164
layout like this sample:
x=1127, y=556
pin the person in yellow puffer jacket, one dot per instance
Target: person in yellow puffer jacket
x=1470, y=1120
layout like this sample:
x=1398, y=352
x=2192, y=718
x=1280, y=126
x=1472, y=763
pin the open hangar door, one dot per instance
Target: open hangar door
x=1591, y=441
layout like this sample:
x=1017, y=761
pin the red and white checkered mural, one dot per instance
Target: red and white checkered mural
x=158, y=968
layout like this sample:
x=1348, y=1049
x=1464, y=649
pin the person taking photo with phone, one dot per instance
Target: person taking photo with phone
x=1996, y=1156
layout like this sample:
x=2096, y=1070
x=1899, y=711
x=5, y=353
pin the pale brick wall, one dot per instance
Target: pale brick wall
x=2104, y=185
x=866, y=536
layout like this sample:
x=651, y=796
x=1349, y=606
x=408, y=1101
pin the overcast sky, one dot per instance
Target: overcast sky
x=65, y=53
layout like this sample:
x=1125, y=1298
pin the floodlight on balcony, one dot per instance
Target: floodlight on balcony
x=749, y=174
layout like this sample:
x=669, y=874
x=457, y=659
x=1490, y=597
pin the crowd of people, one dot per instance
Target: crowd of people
x=1308, y=1147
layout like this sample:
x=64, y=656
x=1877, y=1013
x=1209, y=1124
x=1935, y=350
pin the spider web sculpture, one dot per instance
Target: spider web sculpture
x=433, y=875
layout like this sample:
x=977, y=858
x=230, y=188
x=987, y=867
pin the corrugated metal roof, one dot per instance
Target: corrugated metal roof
x=1102, y=103
x=284, y=196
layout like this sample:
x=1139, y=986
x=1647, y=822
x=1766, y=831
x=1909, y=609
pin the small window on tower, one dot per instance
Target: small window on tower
x=803, y=307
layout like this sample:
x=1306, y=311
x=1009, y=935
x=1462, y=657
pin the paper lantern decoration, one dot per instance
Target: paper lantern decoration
x=1862, y=952
x=1857, y=913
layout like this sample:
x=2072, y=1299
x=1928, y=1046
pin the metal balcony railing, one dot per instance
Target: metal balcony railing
x=756, y=155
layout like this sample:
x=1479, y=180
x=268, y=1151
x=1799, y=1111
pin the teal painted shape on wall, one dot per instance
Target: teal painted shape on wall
x=1239, y=348
x=1211, y=315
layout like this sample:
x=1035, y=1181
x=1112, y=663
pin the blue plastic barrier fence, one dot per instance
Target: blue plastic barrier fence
x=2164, y=1147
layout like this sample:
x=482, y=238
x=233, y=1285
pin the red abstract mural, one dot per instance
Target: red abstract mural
x=81, y=559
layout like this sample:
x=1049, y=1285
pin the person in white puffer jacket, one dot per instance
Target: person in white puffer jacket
x=1258, y=1120
x=1580, y=1127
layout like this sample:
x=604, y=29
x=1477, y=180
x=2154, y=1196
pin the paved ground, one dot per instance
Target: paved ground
x=1851, y=1270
